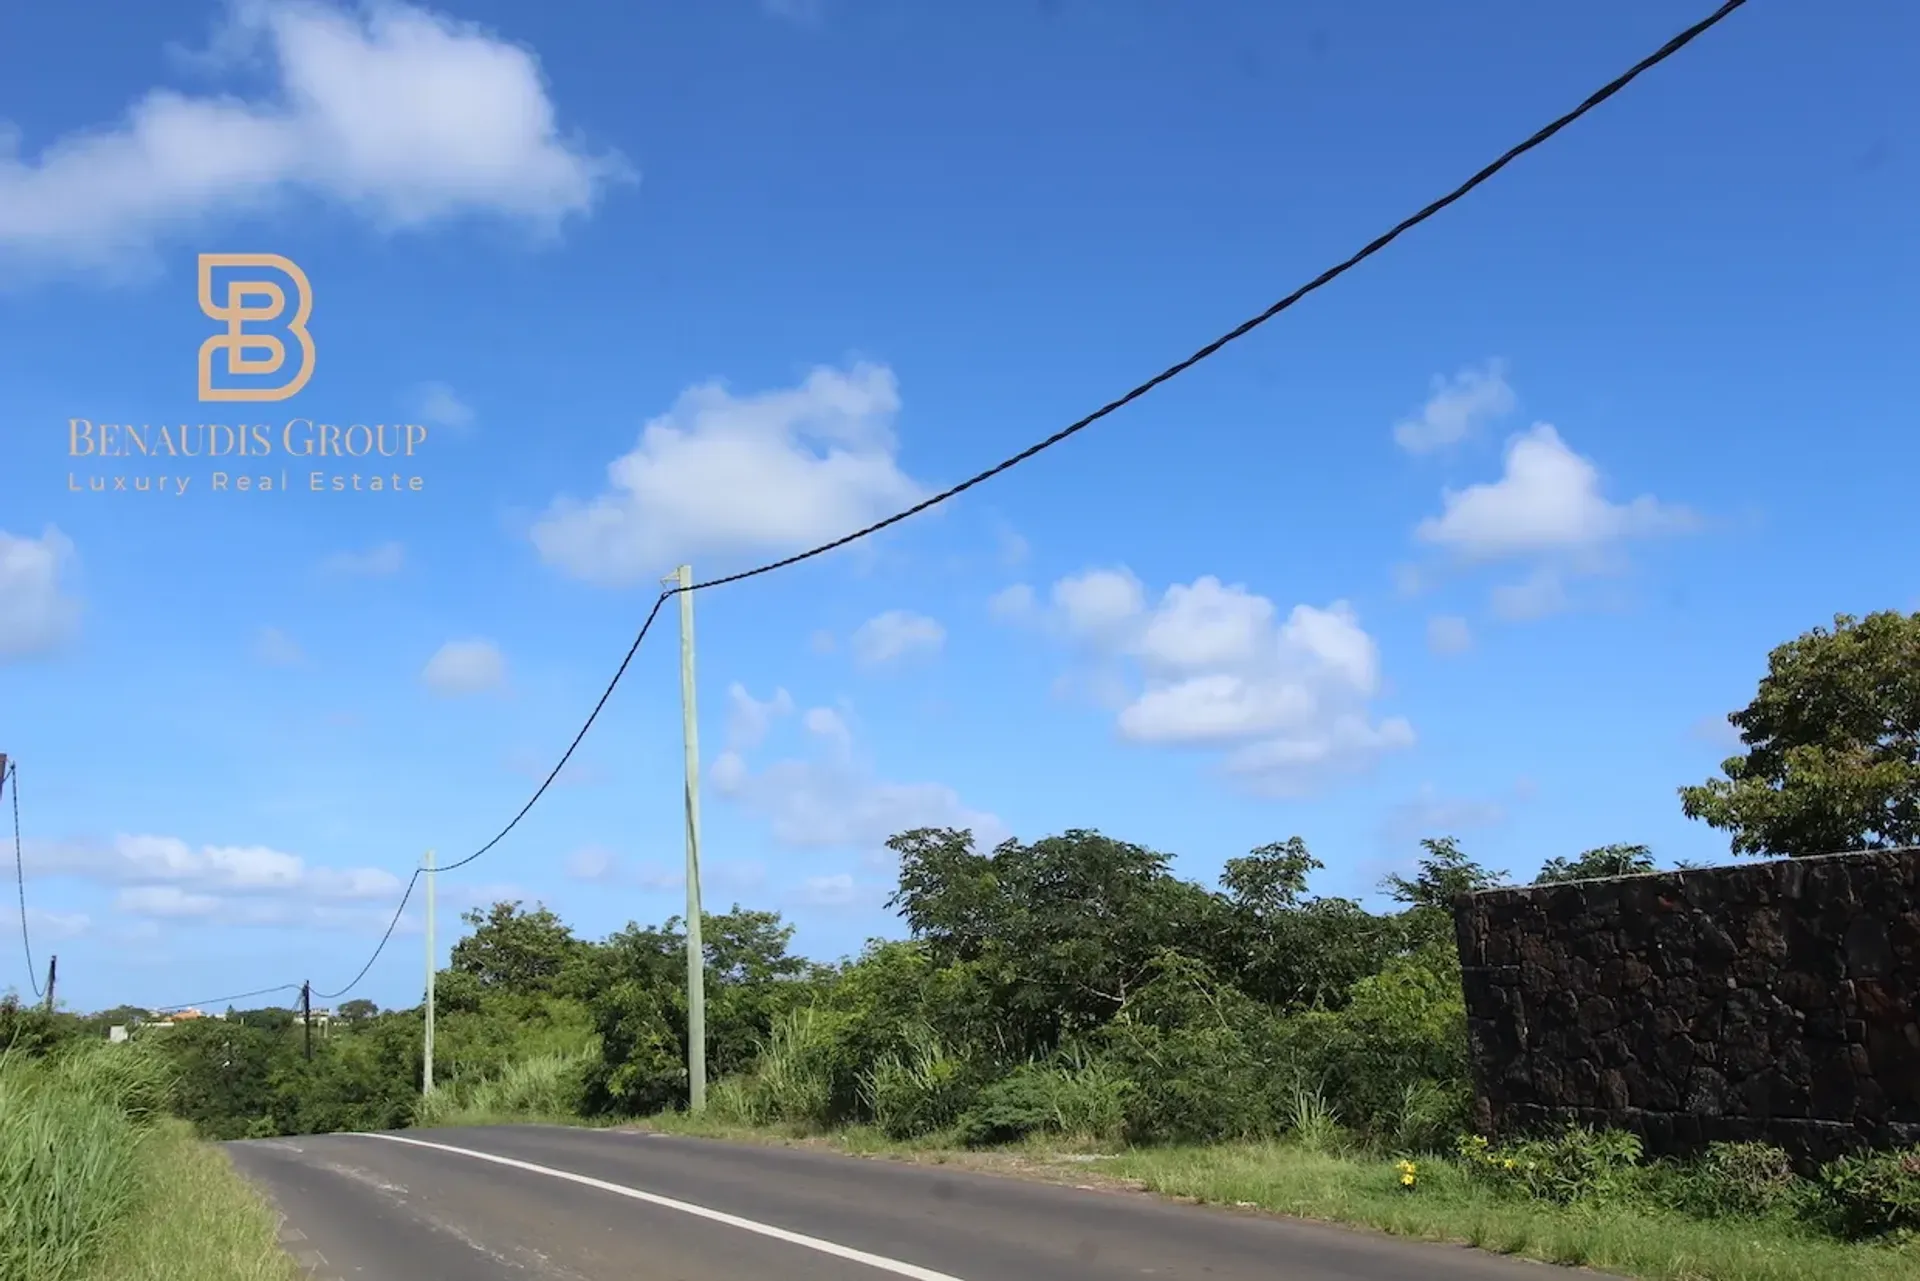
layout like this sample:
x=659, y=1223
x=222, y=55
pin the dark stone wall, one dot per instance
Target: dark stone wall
x=1775, y=1000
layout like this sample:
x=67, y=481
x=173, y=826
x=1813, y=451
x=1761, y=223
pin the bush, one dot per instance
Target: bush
x=1076, y=1095
x=544, y=1085
x=1871, y=1195
x=1731, y=1180
x=1577, y=1165
x=924, y=1090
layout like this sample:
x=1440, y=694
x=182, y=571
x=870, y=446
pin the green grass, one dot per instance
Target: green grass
x=97, y=1185
x=1365, y=1191
x=544, y=1088
x=193, y=1218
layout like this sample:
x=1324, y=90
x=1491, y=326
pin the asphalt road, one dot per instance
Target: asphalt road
x=539, y=1203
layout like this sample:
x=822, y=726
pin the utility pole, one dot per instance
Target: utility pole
x=53, y=969
x=426, y=1058
x=696, y=951
x=306, y=1015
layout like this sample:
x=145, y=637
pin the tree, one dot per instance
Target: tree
x=1288, y=950
x=1444, y=873
x=1832, y=736
x=1063, y=928
x=520, y=951
x=1602, y=860
x=358, y=1009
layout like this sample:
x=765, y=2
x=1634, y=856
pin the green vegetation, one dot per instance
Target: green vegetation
x=1068, y=1006
x=98, y=1182
x=1832, y=759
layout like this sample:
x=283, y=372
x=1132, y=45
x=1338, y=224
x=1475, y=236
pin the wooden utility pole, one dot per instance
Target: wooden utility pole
x=53, y=970
x=306, y=1015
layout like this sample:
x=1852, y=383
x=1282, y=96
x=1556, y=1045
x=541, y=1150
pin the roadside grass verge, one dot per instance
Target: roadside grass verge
x=96, y=1184
x=1633, y=1240
x=192, y=1218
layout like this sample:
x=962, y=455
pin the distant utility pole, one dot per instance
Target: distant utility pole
x=696, y=951
x=426, y=1058
x=53, y=970
x=306, y=1015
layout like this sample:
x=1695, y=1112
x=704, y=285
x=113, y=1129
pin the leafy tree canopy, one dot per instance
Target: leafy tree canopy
x=525, y=951
x=1603, y=860
x=1832, y=737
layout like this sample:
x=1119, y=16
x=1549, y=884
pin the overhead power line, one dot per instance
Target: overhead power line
x=12, y=775
x=1372, y=247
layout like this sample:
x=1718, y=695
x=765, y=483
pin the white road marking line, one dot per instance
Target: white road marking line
x=881, y=1262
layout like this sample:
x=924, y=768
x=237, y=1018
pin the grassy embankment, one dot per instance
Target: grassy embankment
x=1294, y=1178
x=97, y=1183
x=1310, y=1175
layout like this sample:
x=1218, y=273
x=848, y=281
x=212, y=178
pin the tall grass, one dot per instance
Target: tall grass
x=67, y=1175
x=541, y=1087
x=73, y=1131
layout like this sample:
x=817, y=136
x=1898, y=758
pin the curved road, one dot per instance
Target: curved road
x=540, y=1203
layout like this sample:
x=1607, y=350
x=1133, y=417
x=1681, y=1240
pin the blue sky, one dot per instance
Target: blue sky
x=1484, y=539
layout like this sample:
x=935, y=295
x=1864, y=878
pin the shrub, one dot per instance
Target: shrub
x=1731, y=1180
x=1313, y=1123
x=1871, y=1195
x=543, y=1085
x=1577, y=1165
x=918, y=1092
x=1009, y=1109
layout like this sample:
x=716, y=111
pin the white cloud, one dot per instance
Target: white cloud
x=832, y=798
x=837, y=891
x=1014, y=548
x=1432, y=814
x=1548, y=500
x=277, y=649
x=822, y=642
x=1540, y=593
x=1717, y=731
x=387, y=558
x=49, y=926
x=168, y=878
x=1096, y=604
x=439, y=406
x=1547, y=508
x=824, y=722
x=1449, y=634
x=1013, y=604
x=749, y=720
x=895, y=635
x=1215, y=666
x=592, y=863
x=1457, y=408
x=400, y=114
x=37, y=615
x=724, y=475
x=462, y=667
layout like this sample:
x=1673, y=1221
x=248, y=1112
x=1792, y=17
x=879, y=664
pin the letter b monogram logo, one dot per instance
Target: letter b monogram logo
x=253, y=297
